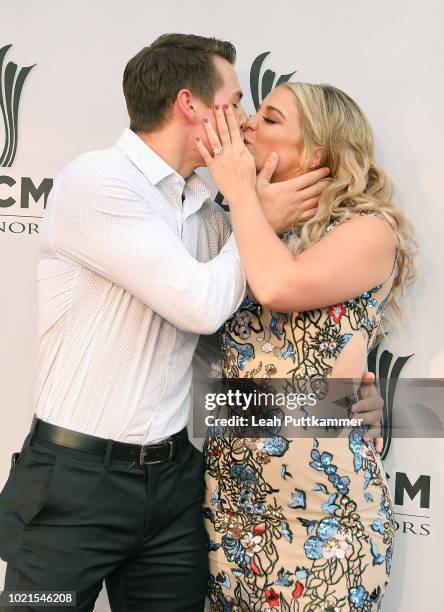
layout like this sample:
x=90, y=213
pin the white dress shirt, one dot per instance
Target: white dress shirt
x=129, y=276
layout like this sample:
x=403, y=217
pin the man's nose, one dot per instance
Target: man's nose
x=242, y=117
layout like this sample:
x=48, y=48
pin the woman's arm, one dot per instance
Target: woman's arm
x=356, y=255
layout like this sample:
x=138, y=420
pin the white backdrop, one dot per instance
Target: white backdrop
x=387, y=55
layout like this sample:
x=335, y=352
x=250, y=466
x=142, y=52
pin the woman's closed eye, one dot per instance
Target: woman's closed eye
x=267, y=120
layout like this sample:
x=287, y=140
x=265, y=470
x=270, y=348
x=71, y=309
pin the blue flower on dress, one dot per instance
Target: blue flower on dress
x=356, y=445
x=243, y=473
x=327, y=528
x=247, y=303
x=287, y=532
x=358, y=596
x=298, y=499
x=234, y=551
x=277, y=323
x=276, y=447
x=330, y=506
x=301, y=573
x=344, y=340
x=330, y=469
x=242, y=500
x=368, y=497
x=216, y=500
x=340, y=483
x=223, y=579
x=368, y=476
x=283, y=578
x=320, y=462
x=378, y=559
x=377, y=526
x=290, y=352
x=313, y=548
x=245, y=351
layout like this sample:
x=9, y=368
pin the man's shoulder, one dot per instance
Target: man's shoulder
x=98, y=163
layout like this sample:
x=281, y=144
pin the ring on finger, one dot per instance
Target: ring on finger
x=217, y=151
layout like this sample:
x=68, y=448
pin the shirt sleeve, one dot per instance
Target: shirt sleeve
x=100, y=221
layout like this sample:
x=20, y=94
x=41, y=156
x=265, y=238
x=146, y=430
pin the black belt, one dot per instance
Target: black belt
x=142, y=454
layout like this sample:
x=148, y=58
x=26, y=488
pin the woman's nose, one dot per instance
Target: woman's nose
x=250, y=123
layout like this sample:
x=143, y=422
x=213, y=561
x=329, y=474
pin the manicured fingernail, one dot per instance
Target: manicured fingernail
x=217, y=106
x=226, y=106
x=206, y=119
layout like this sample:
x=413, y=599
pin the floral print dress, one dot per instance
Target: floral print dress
x=301, y=524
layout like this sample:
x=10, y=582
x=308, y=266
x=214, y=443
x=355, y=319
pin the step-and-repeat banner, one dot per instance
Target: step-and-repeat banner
x=61, y=66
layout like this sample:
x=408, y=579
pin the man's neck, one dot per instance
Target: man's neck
x=170, y=144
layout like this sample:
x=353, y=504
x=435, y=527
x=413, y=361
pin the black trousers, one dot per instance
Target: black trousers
x=70, y=520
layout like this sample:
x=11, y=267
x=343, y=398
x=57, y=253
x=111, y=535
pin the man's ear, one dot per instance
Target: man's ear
x=185, y=105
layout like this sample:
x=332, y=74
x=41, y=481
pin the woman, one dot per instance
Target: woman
x=304, y=524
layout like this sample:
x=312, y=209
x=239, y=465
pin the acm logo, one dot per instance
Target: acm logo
x=387, y=370
x=12, y=80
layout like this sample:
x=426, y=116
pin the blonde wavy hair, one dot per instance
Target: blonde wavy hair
x=332, y=120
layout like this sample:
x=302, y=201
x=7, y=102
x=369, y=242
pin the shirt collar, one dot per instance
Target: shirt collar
x=155, y=168
x=143, y=157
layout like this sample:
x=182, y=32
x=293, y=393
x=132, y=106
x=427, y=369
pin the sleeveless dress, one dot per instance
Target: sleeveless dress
x=301, y=524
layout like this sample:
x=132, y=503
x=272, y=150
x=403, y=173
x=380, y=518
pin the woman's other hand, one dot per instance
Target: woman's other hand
x=286, y=203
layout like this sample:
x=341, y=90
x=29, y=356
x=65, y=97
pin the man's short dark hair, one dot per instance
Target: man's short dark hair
x=153, y=77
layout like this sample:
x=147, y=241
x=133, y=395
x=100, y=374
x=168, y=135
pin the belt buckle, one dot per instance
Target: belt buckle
x=142, y=460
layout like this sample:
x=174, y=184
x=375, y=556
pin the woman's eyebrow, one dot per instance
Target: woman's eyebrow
x=273, y=108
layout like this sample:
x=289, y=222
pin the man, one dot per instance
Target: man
x=136, y=261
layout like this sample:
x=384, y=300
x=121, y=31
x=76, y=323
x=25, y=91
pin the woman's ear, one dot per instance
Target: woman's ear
x=316, y=158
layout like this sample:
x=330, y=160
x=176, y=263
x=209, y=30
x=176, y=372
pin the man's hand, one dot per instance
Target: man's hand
x=287, y=202
x=369, y=408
